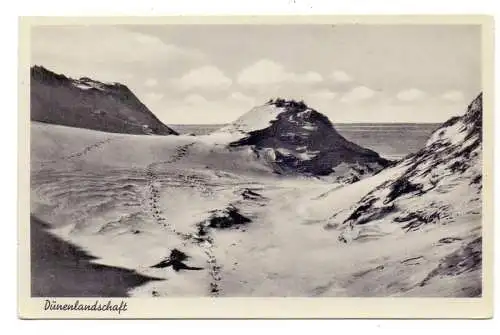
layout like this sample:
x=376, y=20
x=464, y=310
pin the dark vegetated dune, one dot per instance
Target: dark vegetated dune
x=86, y=103
x=300, y=130
x=454, y=153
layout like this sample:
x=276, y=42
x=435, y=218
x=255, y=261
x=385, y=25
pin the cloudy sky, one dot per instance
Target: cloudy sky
x=213, y=74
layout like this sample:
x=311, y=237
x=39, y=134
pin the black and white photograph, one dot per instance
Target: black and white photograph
x=256, y=160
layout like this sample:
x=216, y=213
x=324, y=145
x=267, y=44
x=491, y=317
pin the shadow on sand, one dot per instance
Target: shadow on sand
x=60, y=269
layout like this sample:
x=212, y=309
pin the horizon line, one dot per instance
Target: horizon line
x=335, y=123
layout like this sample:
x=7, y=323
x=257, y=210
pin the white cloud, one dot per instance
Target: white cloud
x=206, y=77
x=195, y=99
x=240, y=97
x=151, y=82
x=323, y=95
x=195, y=108
x=263, y=72
x=340, y=77
x=268, y=72
x=411, y=94
x=321, y=100
x=234, y=99
x=454, y=96
x=100, y=49
x=359, y=93
x=309, y=78
x=153, y=97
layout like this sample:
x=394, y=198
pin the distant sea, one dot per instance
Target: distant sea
x=196, y=129
x=390, y=140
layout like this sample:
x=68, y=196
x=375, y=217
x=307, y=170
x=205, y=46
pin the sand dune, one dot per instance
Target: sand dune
x=134, y=201
x=60, y=269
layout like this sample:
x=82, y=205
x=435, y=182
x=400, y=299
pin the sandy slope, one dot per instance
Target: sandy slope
x=131, y=200
x=59, y=269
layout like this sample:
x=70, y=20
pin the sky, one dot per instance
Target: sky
x=215, y=73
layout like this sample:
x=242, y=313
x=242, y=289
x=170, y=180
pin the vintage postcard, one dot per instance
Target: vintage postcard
x=256, y=167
